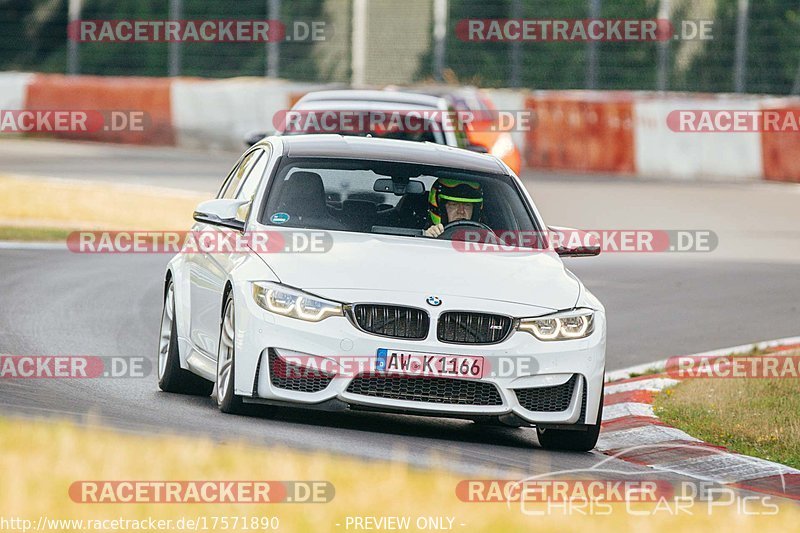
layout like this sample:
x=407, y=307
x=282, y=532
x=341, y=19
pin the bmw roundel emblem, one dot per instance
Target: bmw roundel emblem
x=434, y=301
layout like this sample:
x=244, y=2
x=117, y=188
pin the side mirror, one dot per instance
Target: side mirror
x=481, y=149
x=254, y=137
x=224, y=212
x=569, y=242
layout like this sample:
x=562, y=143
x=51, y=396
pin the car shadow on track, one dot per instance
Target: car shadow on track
x=454, y=430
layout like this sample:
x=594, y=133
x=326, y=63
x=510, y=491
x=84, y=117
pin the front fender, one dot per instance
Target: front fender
x=178, y=270
x=248, y=317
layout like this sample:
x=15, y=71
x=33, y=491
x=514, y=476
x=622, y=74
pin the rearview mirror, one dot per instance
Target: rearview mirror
x=225, y=212
x=569, y=242
x=398, y=187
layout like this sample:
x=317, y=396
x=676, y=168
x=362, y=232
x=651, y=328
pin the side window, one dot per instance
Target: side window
x=248, y=188
x=240, y=172
x=460, y=134
x=228, y=179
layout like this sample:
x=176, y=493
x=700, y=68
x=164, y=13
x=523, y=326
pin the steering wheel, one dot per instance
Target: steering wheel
x=462, y=225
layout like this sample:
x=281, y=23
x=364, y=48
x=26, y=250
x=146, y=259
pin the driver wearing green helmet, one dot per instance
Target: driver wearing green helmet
x=452, y=200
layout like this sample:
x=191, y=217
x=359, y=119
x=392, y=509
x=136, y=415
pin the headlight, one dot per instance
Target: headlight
x=293, y=303
x=562, y=326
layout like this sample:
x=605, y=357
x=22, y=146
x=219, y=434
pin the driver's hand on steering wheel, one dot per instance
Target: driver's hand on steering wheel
x=434, y=231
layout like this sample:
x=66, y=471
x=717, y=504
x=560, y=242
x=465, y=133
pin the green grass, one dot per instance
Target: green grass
x=88, y=205
x=757, y=417
x=13, y=233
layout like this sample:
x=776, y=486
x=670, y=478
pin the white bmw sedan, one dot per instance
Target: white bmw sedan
x=384, y=275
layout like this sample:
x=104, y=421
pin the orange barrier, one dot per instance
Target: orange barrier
x=295, y=97
x=779, y=150
x=581, y=132
x=591, y=131
x=106, y=94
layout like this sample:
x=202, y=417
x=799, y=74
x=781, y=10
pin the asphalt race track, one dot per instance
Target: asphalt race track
x=58, y=303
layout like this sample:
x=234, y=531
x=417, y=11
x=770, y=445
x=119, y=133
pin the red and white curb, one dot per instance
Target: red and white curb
x=632, y=432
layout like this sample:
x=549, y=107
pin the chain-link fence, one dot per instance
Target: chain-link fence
x=749, y=45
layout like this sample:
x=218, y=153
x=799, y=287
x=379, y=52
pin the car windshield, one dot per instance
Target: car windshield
x=383, y=197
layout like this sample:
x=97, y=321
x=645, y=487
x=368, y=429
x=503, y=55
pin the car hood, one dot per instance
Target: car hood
x=362, y=262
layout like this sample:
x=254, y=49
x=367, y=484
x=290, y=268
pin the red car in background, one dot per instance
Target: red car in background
x=485, y=129
x=484, y=132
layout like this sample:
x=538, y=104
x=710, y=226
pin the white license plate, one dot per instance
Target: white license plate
x=428, y=364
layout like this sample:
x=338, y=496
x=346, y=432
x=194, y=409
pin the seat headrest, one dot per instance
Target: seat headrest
x=413, y=208
x=304, y=195
x=415, y=203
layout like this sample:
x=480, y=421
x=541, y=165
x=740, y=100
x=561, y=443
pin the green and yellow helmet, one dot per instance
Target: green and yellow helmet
x=451, y=190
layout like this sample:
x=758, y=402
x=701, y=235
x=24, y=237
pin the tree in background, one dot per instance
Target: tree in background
x=33, y=38
x=773, y=52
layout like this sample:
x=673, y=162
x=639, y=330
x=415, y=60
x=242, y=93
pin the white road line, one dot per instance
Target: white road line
x=652, y=384
x=15, y=245
x=629, y=438
x=619, y=410
x=625, y=373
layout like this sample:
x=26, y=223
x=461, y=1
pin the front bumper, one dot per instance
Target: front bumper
x=519, y=363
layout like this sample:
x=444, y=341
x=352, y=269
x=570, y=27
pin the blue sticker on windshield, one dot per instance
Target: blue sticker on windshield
x=279, y=218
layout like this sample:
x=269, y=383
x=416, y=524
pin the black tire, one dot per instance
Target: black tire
x=570, y=439
x=176, y=379
x=230, y=402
